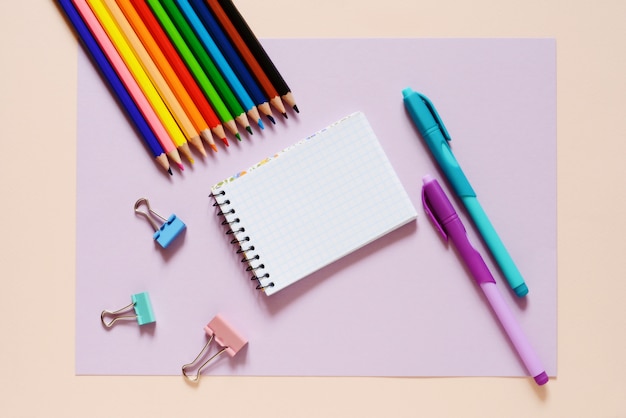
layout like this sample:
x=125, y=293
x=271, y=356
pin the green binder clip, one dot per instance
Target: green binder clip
x=165, y=233
x=140, y=303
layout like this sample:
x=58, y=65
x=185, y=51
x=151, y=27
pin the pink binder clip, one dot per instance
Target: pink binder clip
x=225, y=336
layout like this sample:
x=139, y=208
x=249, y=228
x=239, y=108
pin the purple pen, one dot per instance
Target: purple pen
x=440, y=210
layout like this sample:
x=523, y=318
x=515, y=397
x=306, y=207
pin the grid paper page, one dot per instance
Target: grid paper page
x=315, y=202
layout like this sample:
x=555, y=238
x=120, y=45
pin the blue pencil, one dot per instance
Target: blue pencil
x=220, y=62
x=237, y=64
x=115, y=83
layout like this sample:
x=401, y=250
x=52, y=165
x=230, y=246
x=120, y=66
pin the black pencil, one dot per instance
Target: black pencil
x=259, y=53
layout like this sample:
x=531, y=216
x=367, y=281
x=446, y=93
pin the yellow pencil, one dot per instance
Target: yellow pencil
x=141, y=77
x=171, y=99
x=148, y=41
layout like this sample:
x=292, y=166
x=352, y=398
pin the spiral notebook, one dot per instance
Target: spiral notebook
x=312, y=203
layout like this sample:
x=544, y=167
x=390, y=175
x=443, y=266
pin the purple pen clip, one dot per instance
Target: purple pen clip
x=430, y=213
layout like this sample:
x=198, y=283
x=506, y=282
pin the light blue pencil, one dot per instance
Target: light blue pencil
x=220, y=62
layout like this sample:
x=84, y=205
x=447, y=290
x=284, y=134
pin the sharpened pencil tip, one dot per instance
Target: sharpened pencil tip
x=213, y=147
x=238, y=136
x=169, y=170
x=260, y=122
x=295, y=107
x=225, y=141
x=249, y=129
x=285, y=115
x=271, y=118
x=181, y=166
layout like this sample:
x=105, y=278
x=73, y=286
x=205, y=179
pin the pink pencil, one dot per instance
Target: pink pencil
x=129, y=82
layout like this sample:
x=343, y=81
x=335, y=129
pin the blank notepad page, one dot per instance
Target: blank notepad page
x=313, y=203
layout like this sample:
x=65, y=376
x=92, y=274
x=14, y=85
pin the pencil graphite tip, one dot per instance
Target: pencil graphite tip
x=169, y=170
x=213, y=147
x=225, y=141
x=181, y=166
x=260, y=122
x=271, y=118
x=285, y=115
x=295, y=107
x=249, y=129
x=238, y=136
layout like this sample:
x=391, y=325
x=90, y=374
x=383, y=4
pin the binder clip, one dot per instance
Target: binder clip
x=140, y=302
x=225, y=336
x=168, y=231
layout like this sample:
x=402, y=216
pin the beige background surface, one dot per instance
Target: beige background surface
x=37, y=132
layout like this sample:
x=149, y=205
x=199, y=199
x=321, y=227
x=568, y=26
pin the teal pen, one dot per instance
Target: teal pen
x=434, y=133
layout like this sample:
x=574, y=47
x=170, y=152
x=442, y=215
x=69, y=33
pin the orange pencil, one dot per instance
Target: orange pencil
x=247, y=55
x=168, y=72
x=169, y=97
x=153, y=26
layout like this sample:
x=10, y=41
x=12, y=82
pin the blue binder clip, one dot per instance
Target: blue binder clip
x=168, y=230
x=140, y=303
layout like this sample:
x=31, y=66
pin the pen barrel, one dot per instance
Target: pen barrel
x=515, y=333
x=472, y=258
x=496, y=246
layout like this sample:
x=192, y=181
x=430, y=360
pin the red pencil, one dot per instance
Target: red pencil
x=180, y=69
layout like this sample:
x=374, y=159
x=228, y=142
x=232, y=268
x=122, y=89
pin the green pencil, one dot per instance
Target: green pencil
x=205, y=60
x=195, y=68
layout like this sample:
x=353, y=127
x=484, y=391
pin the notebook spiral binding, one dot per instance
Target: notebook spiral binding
x=242, y=241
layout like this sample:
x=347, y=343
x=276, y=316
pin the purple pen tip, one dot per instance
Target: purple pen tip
x=542, y=378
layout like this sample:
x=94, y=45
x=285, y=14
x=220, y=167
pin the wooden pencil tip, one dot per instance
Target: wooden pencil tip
x=181, y=166
x=249, y=129
x=225, y=141
x=169, y=170
x=295, y=107
x=260, y=123
x=271, y=118
x=285, y=115
x=238, y=136
x=213, y=147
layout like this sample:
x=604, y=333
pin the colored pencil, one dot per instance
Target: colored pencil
x=247, y=56
x=207, y=64
x=167, y=71
x=168, y=50
x=229, y=51
x=129, y=82
x=192, y=134
x=194, y=67
x=140, y=76
x=114, y=82
x=220, y=62
x=259, y=52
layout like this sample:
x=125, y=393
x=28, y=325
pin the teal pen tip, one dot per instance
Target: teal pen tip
x=249, y=129
x=260, y=122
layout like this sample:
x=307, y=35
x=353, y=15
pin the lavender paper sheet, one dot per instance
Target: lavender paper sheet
x=401, y=306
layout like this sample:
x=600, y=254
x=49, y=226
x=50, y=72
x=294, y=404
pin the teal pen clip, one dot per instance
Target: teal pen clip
x=433, y=131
